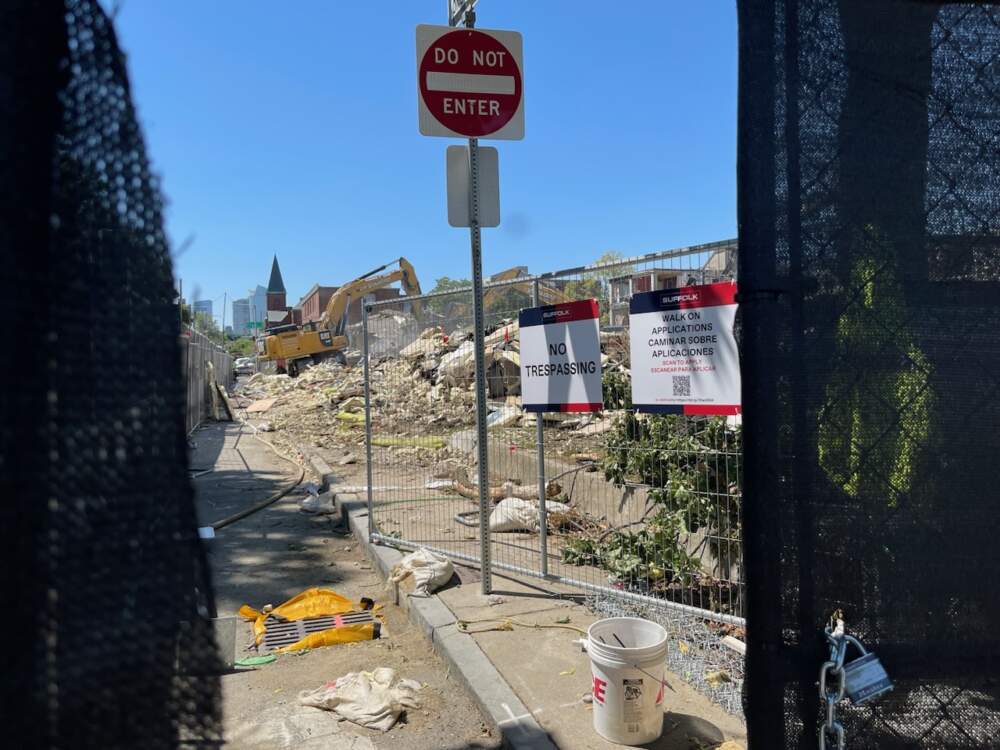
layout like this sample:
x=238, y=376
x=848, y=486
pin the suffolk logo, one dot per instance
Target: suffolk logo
x=670, y=299
x=555, y=314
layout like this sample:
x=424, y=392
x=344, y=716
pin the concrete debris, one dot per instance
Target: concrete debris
x=505, y=415
x=459, y=364
x=735, y=644
x=440, y=484
x=422, y=399
x=261, y=406
x=354, y=404
x=431, y=342
x=596, y=427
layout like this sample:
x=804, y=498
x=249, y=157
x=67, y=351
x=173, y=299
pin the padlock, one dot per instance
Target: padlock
x=865, y=678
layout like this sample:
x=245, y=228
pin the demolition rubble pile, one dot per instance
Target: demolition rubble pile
x=422, y=394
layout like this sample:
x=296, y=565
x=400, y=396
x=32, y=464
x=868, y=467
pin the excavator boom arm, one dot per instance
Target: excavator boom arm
x=334, y=316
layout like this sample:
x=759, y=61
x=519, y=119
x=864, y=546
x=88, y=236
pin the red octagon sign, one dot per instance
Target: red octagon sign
x=470, y=83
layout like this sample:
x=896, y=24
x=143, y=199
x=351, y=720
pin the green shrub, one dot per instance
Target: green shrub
x=690, y=467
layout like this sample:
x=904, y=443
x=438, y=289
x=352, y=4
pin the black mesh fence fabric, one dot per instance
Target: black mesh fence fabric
x=102, y=562
x=869, y=211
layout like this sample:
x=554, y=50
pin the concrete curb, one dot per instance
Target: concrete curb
x=510, y=717
x=321, y=469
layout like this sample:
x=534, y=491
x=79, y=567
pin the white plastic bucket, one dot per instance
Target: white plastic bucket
x=627, y=659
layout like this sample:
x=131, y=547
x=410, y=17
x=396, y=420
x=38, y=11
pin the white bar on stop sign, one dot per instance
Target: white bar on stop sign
x=470, y=83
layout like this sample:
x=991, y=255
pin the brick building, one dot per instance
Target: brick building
x=314, y=302
x=711, y=263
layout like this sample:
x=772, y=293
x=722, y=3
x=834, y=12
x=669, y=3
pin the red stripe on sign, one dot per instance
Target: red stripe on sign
x=726, y=410
x=567, y=312
x=709, y=295
x=581, y=406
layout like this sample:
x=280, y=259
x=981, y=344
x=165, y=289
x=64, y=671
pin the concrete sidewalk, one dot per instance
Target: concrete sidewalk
x=279, y=551
x=551, y=674
x=545, y=675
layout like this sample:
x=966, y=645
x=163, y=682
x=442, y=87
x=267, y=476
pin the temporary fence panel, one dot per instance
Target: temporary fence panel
x=422, y=435
x=197, y=351
x=642, y=511
x=869, y=184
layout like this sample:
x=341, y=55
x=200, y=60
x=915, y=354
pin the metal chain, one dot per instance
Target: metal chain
x=832, y=729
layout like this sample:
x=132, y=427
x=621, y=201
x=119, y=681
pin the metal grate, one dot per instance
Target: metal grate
x=281, y=633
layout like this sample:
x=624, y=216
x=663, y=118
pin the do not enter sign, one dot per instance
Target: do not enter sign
x=469, y=83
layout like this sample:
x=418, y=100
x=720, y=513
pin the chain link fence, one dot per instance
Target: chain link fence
x=197, y=353
x=640, y=509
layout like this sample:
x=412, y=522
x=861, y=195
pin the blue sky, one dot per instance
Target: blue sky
x=291, y=128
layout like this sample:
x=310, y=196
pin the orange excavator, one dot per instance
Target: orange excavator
x=302, y=346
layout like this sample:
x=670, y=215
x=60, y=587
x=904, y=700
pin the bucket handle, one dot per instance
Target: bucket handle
x=583, y=647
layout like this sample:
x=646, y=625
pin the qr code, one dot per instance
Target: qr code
x=682, y=385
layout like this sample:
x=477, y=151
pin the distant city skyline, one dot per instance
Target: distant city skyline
x=202, y=307
x=241, y=316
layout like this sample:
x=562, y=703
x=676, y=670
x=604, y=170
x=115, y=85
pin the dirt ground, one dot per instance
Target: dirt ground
x=273, y=555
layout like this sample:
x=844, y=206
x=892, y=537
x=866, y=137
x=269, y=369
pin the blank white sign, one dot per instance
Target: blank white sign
x=460, y=184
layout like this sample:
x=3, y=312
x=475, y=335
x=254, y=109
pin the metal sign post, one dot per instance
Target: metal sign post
x=543, y=514
x=482, y=447
x=470, y=85
x=479, y=324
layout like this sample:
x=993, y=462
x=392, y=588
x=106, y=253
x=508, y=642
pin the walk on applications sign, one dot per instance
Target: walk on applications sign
x=469, y=83
x=561, y=357
x=683, y=349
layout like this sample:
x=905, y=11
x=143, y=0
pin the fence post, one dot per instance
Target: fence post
x=368, y=418
x=543, y=531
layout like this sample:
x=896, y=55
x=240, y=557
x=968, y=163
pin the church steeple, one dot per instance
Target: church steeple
x=275, y=285
x=277, y=310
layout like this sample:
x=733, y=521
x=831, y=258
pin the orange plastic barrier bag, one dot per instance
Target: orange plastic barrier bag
x=317, y=602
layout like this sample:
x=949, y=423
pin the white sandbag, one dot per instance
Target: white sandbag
x=369, y=699
x=517, y=514
x=430, y=571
